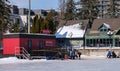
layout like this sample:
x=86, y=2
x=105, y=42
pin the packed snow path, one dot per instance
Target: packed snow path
x=61, y=65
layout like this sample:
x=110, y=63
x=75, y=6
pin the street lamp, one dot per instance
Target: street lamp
x=29, y=16
x=110, y=33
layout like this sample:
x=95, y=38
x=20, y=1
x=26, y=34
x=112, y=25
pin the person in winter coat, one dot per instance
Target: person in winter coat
x=113, y=54
x=109, y=54
x=79, y=55
x=70, y=54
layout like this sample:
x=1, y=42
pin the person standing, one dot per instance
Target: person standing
x=79, y=55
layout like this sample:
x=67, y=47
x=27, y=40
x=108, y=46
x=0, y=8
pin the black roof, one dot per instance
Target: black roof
x=26, y=35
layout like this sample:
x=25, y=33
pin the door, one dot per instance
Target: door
x=29, y=46
x=40, y=44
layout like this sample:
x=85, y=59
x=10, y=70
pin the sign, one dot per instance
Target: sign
x=46, y=31
x=49, y=43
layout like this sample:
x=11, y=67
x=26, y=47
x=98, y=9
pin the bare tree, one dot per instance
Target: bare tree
x=62, y=5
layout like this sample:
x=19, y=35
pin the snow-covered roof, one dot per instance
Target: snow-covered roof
x=71, y=31
x=23, y=19
x=107, y=25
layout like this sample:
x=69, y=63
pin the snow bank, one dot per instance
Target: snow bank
x=16, y=60
x=92, y=57
x=8, y=60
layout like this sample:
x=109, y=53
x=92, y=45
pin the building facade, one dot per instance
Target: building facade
x=70, y=34
x=104, y=7
x=14, y=9
x=20, y=15
x=104, y=33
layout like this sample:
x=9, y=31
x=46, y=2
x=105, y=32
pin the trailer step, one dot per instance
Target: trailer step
x=38, y=57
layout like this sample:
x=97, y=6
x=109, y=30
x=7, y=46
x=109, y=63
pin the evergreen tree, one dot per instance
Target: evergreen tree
x=50, y=21
x=89, y=10
x=37, y=24
x=4, y=16
x=33, y=29
x=41, y=23
x=70, y=10
x=15, y=28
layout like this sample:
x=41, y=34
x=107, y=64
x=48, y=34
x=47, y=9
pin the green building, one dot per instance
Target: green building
x=103, y=33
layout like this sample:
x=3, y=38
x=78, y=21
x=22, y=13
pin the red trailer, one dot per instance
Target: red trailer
x=12, y=43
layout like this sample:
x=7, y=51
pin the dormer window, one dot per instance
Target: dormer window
x=104, y=27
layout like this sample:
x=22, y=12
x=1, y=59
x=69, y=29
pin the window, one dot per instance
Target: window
x=29, y=46
x=41, y=44
x=29, y=43
x=104, y=27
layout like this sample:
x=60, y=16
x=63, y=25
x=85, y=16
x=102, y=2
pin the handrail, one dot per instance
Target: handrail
x=23, y=52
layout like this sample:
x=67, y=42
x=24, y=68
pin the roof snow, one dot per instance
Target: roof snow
x=71, y=31
x=107, y=25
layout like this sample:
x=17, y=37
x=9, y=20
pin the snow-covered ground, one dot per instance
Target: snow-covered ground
x=12, y=60
x=87, y=63
x=16, y=60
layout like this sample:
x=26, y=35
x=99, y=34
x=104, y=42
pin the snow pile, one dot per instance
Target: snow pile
x=72, y=31
x=16, y=60
x=92, y=57
x=8, y=60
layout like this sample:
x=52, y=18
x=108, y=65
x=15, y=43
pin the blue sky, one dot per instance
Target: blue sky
x=36, y=4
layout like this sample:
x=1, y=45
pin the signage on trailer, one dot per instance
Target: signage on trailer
x=49, y=43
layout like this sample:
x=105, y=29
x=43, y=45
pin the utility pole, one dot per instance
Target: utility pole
x=29, y=16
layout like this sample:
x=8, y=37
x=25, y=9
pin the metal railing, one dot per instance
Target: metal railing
x=22, y=53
